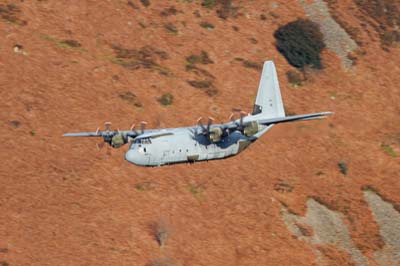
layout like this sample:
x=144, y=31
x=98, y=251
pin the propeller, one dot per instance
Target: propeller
x=107, y=135
x=205, y=130
x=240, y=125
x=142, y=126
x=133, y=128
x=115, y=138
x=242, y=114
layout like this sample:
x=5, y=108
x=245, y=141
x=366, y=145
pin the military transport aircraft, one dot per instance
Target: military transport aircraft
x=157, y=147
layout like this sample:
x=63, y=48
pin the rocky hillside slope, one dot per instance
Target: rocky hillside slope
x=308, y=193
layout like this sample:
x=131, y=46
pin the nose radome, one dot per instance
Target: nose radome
x=130, y=156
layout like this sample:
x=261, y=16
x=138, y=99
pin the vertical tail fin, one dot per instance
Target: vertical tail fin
x=269, y=100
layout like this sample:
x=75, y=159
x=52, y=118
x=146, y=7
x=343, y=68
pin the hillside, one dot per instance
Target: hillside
x=308, y=193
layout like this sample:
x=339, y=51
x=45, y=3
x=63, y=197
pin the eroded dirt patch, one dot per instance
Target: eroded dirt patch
x=335, y=37
x=327, y=229
x=388, y=219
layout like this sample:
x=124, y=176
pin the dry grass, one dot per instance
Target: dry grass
x=207, y=25
x=145, y=3
x=295, y=77
x=162, y=262
x=171, y=28
x=225, y=8
x=251, y=64
x=131, y=98
x=10, y=13
x=145, y=57
x=170, y=11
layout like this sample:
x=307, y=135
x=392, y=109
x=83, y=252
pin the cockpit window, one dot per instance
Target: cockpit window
x=143, y=141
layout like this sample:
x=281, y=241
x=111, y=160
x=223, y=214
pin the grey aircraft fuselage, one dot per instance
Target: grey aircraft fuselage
x=183, y=146
x=156, y=147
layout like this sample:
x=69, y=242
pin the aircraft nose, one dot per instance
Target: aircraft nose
x=130, y=156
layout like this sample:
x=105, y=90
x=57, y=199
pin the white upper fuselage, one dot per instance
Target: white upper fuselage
x=183, y=145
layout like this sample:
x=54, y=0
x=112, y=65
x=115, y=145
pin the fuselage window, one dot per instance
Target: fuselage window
x=180, y=150
x=144, y=149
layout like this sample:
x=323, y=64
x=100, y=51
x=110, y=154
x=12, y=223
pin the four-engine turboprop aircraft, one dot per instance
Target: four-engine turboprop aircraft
x=156, y=147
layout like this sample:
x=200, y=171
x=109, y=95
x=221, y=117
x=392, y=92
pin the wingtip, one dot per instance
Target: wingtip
x=327, y=113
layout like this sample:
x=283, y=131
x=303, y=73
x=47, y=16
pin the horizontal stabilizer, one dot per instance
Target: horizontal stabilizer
x=312, y=116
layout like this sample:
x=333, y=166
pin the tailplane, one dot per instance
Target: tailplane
x=269, y=100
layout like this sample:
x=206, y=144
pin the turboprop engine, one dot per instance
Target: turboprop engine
x=115, y=138
x=251, y=129
x=118, y=140
x=215, y=134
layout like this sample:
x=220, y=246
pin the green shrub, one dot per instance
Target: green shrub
x=200, y=84
x=253, y=40
x=301, y=42
x=69, y=44
x=146, y=3
x=131, y=98
x=225, y=10
x=251, y=64
x=207, y=25
x=166, y=99
x=209, y=3
x=342, y=168
x=145, y=57
x=10, y=13
x=206, y=85
x=169, y=11
x=295, y=78
x=388, y=150
x=203, y=58
x=171, y=28
x=389, y=38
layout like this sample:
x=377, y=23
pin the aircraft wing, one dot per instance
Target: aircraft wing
x=83, y=134
x=128, y=133
x=270, y=121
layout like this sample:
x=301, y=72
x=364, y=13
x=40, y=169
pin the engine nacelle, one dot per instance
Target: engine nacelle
x=251, y=129
x=215, y=134
x=118, y=140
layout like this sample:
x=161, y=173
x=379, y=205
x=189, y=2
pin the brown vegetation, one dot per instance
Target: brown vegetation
x=145, y=57
x=62, y=196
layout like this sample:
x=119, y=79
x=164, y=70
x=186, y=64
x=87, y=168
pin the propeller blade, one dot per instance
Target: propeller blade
x=108, y=151
x=232, y=117
x=100, y=145
x=133, y=129
x=107, y=126
x=142, y=126
x=200, y=123
x=209, y=123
